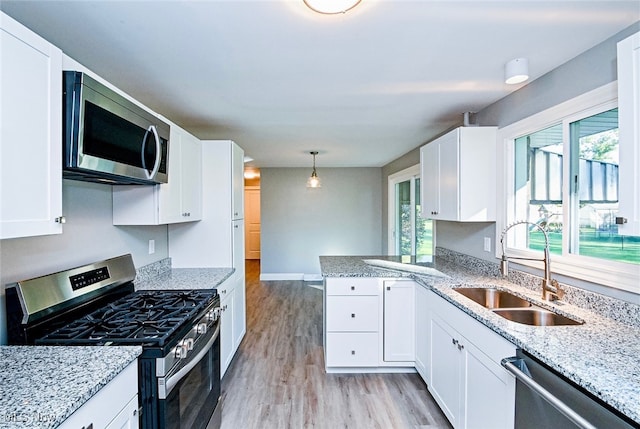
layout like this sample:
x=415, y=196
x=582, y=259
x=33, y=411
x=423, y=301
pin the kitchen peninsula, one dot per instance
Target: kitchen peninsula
x=599, y=355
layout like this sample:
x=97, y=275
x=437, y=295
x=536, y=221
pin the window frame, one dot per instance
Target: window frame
x=595, y=270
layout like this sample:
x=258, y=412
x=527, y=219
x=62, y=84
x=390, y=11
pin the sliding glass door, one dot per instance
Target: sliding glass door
x=409, y=233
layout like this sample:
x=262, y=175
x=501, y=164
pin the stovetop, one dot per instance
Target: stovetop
x=148, y=318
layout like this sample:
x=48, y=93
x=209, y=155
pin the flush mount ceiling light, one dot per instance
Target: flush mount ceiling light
x=330, y=7
x=314, y=180
x=516, y=71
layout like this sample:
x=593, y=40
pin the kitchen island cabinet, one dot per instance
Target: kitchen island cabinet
x=587, y=354
x=31, y=118
x=365, y=327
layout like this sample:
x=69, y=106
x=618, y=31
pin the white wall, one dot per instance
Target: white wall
x=88, y=236
x=344, y=217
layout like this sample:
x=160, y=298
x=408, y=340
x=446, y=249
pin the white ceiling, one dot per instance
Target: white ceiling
x=362, y=88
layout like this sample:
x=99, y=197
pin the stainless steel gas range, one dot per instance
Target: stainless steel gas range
x=96, y=304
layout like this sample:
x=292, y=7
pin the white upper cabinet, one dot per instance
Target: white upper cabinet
x=629, y=126
x=179, y=200
x=237, y=174
x=458, y=175
x=30, y=133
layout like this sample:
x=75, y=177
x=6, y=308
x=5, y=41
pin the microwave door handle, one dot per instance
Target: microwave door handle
x=156, y=165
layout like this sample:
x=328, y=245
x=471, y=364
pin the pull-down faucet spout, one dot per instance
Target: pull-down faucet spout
x=550, y=288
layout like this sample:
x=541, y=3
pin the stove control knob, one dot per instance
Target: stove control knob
x=201, y=328
x=188, y=342
x=181, y=351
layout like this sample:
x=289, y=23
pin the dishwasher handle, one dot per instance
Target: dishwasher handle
x=518, y=368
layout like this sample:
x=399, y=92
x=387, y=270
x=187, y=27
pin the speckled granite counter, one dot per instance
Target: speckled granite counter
x=185, y=278
x=602, y=355
x=40, y=387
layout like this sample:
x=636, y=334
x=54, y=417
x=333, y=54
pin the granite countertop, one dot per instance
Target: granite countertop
x=601, y=355
x=186, y=278
x=41, y=386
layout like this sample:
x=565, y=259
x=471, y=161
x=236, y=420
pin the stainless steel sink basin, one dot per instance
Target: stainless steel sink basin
x=535, y=316
x=514, y=308
x=493, y=298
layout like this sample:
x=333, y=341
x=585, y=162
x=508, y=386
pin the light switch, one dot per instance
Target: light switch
x=152, y=247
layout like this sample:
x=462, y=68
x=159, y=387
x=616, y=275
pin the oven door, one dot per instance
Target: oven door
x=191, y=392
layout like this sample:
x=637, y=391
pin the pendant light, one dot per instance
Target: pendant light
x=331, y=7
x=314, y=181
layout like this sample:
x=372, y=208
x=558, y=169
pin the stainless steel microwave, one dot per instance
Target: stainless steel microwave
x=109, y=139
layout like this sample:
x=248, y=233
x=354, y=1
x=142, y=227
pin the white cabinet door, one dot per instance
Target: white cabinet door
x=449, y=171
x=239, y=311
x=399, y=320
x=465, y=368
x=430, y=179
x=629, y=112
x=31, y=129
x=179, y=200
x=446, y=370
x=237, y=173
x=483, y=376
x=190, y=178
x=458, y=175
x=227, y=350
x=422, y=333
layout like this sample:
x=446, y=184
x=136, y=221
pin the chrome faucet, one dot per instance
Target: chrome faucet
x=550, y=288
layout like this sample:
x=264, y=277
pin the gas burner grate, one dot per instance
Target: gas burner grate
x=143, y=317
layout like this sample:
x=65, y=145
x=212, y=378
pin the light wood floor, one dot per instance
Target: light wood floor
x=277, y=378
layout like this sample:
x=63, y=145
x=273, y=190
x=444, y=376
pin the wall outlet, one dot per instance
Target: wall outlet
x=152, y=247
x=487, y=244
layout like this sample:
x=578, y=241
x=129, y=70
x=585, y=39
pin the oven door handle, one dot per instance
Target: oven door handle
x=512, y=365
x=166, y=385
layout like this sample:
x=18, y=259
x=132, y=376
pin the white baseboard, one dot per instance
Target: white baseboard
x=281, y=276
x=291, y=276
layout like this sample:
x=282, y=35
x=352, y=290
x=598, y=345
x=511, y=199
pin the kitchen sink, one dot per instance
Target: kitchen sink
x=493, y=298
x=536, y=317
x=514, y=308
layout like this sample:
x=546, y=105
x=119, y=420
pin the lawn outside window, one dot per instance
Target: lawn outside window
x=561, y=172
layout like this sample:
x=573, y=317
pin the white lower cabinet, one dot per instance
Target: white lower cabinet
x=367, y=328
x=233, y=324
x=399, y=320
x=464, y=374
x=115, y=406
x=423, y=317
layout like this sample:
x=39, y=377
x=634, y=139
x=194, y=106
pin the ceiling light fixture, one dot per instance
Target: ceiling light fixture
x=516, y=71
x=331, y=7
x=314, y=180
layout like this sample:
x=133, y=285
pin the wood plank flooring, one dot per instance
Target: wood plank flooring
x=277, y=378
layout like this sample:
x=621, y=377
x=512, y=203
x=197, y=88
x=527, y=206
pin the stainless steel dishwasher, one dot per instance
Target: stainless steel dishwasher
x=546, y=399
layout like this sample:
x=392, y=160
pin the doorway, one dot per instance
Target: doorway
x=252, y=213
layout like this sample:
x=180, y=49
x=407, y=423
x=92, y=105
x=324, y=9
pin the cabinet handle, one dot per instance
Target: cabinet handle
x=460, y=346
x=353, y=288
x=353, y=352
x=454, y=341
x=353, y=315
x=60, y=219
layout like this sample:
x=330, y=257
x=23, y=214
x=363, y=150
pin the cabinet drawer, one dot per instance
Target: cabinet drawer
x=352, y=286
x=352, y=313
x=352, y=349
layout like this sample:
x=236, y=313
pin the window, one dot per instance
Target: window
x=409, y=233
x=562, y=174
